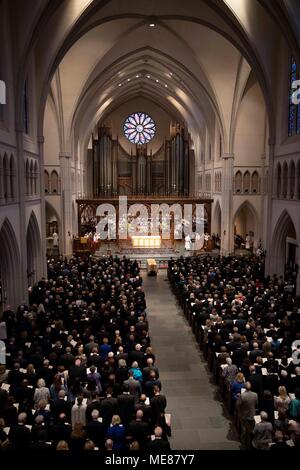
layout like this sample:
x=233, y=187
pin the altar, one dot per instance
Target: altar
x=146, y=241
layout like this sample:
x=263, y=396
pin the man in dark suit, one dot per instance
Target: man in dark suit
x=122, y=371
x=149, y=368
x=15, y=377
x=95, y=430
x=138, y=430
x=19, y=435
x=255, y=352
x=47, y=373
x=60, y=431
x=158, y=444
x=93, y=405
x=239, y=355
x=40, y=444
x=295, y=382
x=271, y=381
x=94, y=359
x=67, y=359
x=136, y=355
x=257, y=382
x=61, y=405
x=141, y=405
x=134, y=385
x=158, y=403
x=126, y=403
x=149, y=385
x=108, y=407
x=77, y=371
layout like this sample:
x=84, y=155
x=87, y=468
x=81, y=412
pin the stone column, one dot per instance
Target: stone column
x=269, y=263
x=22, y=273
x=1, y=182
x=66, y=202
x=227, y=236
x=41, y=189
x=173, y=165
x=262, y=227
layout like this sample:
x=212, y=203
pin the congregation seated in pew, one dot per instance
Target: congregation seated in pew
x=81, y=373
x=248, y=326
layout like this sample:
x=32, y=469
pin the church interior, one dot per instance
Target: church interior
x=152, y=340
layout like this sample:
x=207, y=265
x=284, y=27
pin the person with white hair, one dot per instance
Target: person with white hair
x=19, y=435
x=95, y=429
x=158, y=444
x=230, y=371
x=41, y=393
x=262, y=433
x=137, y=355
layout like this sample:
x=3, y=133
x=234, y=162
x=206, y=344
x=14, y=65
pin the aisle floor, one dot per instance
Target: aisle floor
x=197, y=414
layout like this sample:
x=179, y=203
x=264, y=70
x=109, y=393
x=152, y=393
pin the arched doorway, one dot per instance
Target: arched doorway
x=245, y=222
x=33, y=240
x=216, y=222
x=53, y=225
x=74, y=218
x=284, y=244
x=9, y=265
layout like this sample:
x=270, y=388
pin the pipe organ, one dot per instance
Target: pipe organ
x=167, y=172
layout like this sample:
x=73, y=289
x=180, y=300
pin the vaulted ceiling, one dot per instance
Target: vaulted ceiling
x=92, y=56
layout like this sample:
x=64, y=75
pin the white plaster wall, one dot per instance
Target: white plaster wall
x=249, y=135
x=51, y=136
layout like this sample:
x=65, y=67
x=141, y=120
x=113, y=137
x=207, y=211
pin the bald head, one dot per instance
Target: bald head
x=139, y=415
x=22, y=418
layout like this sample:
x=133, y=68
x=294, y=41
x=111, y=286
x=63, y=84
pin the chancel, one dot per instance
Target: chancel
x=144, y=241
x=149, y=227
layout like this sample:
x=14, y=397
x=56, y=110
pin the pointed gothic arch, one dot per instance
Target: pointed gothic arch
x=278, y=180
x=53, y=224
x=46, y=181
x=27, y=176
x=217, y=220
x=238, y=182
x=298, y=180
x=246, y=182
x=10, y=264
x=292, y=179
x=284, y=230
x=34, y=251
x=246, y=221
x=12, y=172
x=5, y=177
x=285, y=176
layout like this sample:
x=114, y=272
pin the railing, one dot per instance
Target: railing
x=145, y=197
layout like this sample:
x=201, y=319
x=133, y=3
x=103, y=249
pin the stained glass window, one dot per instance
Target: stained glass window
x=139, y=128
x=294, y=109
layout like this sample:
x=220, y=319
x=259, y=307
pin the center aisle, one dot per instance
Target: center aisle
x=197, y=415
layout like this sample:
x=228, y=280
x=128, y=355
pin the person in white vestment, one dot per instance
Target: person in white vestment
x=247, y=240
x=188, y=243
x=55, y=239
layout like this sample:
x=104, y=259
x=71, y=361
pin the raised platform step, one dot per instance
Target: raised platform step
x=148, y=251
